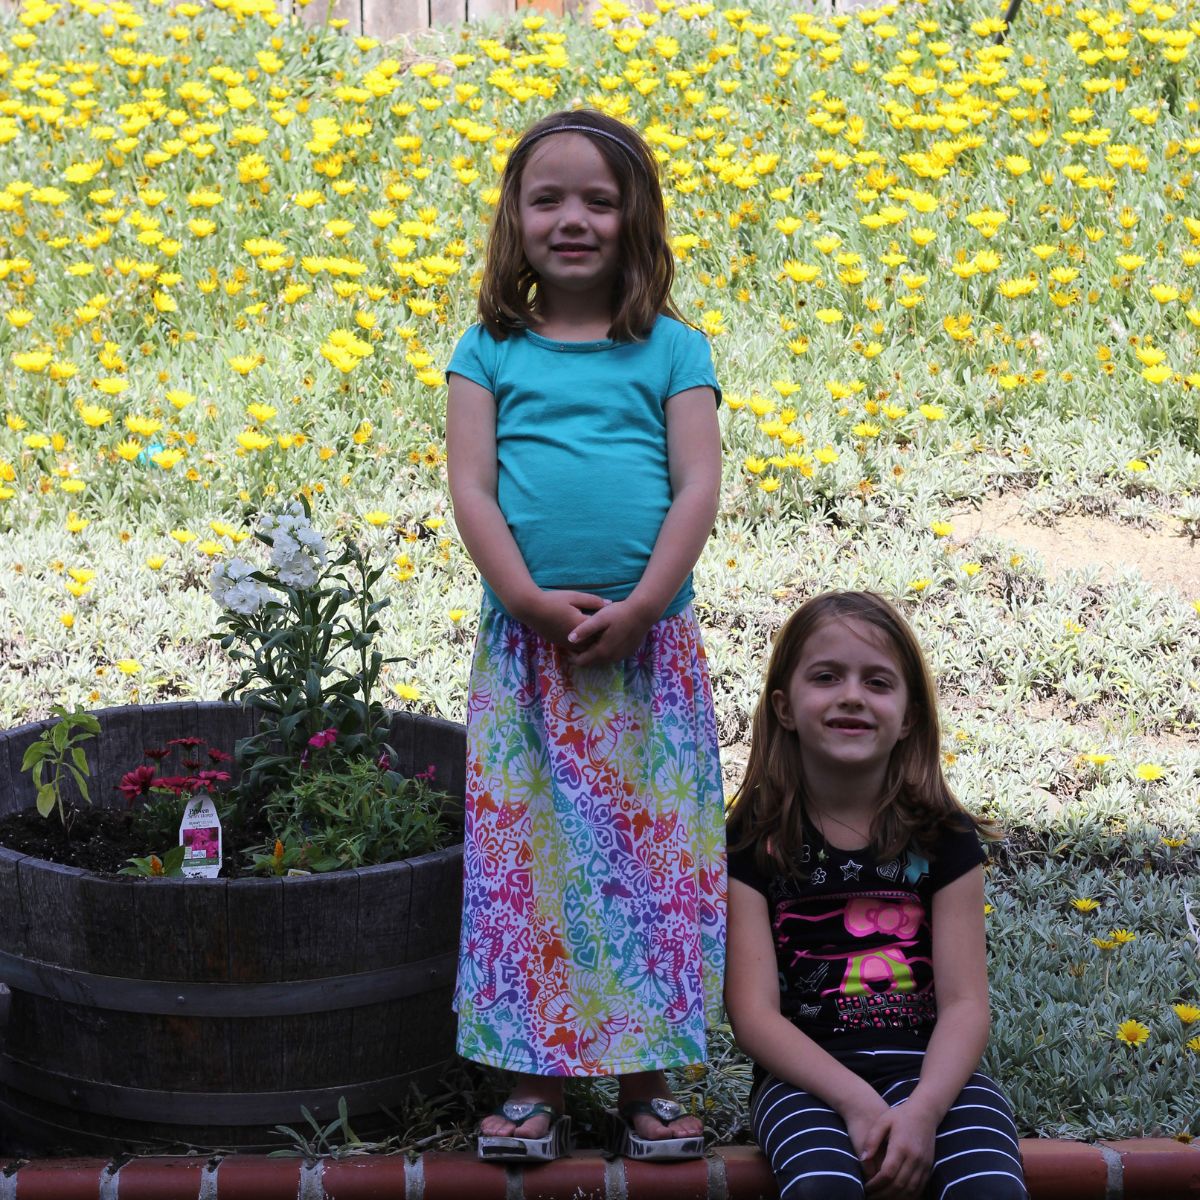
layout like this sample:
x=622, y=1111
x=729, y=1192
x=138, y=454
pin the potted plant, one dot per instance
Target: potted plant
x=204, y=1012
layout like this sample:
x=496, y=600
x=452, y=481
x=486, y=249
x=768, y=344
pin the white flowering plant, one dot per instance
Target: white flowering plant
x=302, y=631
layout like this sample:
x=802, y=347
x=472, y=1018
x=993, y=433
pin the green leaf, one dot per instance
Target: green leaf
x=80, y=783
x=47, y=798
x=80, y=760
x=34, y=753
x=58, y=736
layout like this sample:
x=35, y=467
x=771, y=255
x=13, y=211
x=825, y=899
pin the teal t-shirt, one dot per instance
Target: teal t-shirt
x=581, y=441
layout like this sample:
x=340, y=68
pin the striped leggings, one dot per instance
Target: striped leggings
x=805, y=1141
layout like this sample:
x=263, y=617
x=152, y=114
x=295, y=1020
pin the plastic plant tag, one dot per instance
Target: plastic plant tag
x=200, y=837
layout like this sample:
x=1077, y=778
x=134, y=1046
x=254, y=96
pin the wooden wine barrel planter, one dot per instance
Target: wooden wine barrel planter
x=174, y=1013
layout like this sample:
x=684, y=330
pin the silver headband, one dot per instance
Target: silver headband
x=612, y=137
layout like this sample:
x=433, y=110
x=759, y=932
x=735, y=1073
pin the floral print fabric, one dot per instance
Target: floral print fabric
x=593, y=935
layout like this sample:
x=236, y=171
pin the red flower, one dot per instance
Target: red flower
x=429, y=774
x=208, y=780
x=326, y=737
x=190, y=742
x=158, y=753
x=177, y=783
x=218, y=756
x=137, y=782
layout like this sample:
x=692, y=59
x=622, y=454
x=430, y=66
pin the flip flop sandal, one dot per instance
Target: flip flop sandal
x=633, y=1145
x=554, y=1144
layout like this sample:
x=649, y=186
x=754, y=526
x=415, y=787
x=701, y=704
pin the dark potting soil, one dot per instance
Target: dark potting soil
x=99, y=839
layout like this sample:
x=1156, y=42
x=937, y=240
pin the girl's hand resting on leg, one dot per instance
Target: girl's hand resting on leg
x=862, y=1123
x=902, y=1144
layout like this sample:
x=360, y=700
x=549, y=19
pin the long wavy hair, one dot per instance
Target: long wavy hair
x=508, y=296
x=768, y=810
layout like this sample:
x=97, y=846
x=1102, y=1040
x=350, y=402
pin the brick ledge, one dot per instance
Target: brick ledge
x=1139, y=1169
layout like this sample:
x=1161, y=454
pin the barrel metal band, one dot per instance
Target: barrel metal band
x=208, y=1108
x=282, y=999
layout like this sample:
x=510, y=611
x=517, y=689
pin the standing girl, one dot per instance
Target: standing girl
x=856, y=884
x=584, y=461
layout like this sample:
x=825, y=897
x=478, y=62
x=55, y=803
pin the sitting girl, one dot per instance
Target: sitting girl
x=855, y=883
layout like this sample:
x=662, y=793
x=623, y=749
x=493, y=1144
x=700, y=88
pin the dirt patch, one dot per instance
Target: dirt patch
x=1164, y=556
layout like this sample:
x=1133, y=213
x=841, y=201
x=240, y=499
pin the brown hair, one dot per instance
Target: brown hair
x=768, y=809
x=508, y=298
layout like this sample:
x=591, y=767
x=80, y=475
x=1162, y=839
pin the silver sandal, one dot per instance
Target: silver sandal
x=633, y=1145
x=507, y=1148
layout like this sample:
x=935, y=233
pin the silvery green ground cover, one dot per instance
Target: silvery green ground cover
x=235, y=253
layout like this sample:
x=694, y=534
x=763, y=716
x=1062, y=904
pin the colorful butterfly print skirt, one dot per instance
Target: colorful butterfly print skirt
x=593, y=935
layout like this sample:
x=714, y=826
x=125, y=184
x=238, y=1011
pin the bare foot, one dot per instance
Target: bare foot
x=529, y=1090
x=651, y=1085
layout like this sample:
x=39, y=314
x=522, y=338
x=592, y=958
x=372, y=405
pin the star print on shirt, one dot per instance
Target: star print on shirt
x=850, y=869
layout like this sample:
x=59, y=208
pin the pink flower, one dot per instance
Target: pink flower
x=177, y=783
x=429, y=774
x=384, y=762
x=218, y=756
x=326, y=737
x=136, y=783
x=208, y=780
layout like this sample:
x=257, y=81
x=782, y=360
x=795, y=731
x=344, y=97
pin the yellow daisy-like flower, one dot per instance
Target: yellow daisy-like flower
x=128, y=666
x=407, y=691
x=180, y=399
x=243, y=364
x=94, y=415
x=1187, y=1013
x=251, y=439
x=377, y=517
x=1149, y=772
x=1085, y=904
x=1132, y=1033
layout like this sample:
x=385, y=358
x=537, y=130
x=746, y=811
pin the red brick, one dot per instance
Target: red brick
x=747, y=1174
x=160, y=1179
x=461, y=1177
x=578, y=1176
x=1159, y=1169
x=61, y=1179
x=366, y=1178
x=686, y=1180
x=256, y=1177
x=1064, y=1170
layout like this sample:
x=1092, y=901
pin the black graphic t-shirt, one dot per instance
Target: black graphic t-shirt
x=853, y=941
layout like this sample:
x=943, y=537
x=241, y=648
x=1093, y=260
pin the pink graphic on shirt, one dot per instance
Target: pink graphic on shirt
x=866, y=915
